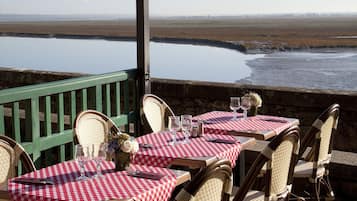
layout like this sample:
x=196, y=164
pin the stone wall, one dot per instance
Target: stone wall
x=12, y=77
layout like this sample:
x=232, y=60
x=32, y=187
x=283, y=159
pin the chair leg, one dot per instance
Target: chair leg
x=317, y=188
x=325, y=181
x=328, y=188
x=313, y=190
x=293, y=196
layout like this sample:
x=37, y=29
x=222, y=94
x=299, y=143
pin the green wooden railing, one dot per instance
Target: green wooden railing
x=40, y=117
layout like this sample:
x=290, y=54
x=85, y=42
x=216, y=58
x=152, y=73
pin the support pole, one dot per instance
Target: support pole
x=143, y=56
x=143, y=42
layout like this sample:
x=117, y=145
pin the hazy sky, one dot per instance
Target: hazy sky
x=177, y=7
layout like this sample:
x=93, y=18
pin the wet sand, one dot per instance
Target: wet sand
x=256, y=34
x=317, y=69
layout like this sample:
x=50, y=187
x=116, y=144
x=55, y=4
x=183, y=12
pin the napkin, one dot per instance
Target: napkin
x=146, y=175
x=224, y=141
x=204, y=121
x=33, y=181
x=145, y=145
x=275, y=120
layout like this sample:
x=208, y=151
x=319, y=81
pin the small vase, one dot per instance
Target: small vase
x=252, y=111
x=122, y=161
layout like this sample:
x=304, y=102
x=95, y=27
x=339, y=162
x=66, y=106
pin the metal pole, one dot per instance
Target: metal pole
x=143, y=56
x=143, y=39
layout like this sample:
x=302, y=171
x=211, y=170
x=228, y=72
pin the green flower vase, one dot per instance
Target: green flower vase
x=252, y=111
x=121, y=160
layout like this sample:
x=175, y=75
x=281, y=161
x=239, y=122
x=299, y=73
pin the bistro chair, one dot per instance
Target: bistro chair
x=279, y=158
x=11, y=153
x=211, y=184
x=313, y=166
x=156, y=112
x=93, y=127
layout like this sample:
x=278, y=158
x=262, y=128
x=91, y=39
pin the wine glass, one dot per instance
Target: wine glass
x=245, y=105
x=235, y=105
x=81, y=159
x=186, y=124
x=174, y=126
x=99, y=156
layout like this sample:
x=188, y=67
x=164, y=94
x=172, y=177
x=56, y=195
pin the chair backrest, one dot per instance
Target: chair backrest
x=210, y=184
x=156, y=112
x=319, y=136
x=10, y=154
x=93, y=127
x=280, y=157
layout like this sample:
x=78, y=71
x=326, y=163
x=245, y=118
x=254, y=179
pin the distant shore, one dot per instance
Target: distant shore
x=252, y=35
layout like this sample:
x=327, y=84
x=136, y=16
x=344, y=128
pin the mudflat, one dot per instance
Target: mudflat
x=259, y=33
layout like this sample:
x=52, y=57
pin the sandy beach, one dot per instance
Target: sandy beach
x=260, y=33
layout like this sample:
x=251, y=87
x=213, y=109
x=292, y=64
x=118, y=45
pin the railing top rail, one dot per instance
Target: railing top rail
x=28, y=92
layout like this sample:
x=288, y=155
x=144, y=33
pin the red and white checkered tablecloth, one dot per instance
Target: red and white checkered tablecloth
x=118, y=185
x=161, y=154
x=220, y=122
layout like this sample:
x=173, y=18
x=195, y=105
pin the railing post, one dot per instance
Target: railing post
x=2, y=120
x=34, y=124
x=16, y=121
x=143, y=56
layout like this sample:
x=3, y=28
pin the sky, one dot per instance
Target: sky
x=177, y=7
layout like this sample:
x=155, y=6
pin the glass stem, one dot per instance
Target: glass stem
x=186, y=135
x=98, y=169
x=234, y=114
x=174, y=136
x=82, y=170
x=245, y=114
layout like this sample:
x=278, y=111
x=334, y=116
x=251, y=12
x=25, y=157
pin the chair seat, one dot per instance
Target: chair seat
x=304, y=169
x=251, y=195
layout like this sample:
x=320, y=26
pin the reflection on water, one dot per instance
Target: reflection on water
x=322, y=69
x=175, y=61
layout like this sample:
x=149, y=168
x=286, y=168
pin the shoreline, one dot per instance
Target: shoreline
x=186, y=41
x=251, y=35
x=205, y=42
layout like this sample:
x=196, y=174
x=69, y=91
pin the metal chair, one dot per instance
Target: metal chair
x=314, y=163
x=280, y=157
x=93, y=127
x=210, y=184
x=156, y=112
x=11, y=153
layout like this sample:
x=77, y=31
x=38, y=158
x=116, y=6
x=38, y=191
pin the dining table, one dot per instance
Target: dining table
x=156, y=149
x=261, y=127
x=58, y=182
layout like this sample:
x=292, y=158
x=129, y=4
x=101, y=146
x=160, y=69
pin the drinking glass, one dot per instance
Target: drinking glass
x=81, y=159
x=235, y=105
x=174, y=126
x=245, y=105
x=186, y=124
x=99, y=156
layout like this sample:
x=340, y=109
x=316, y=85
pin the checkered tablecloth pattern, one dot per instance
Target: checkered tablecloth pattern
x=118, y=185
x=161, y=154
x=220, y=122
